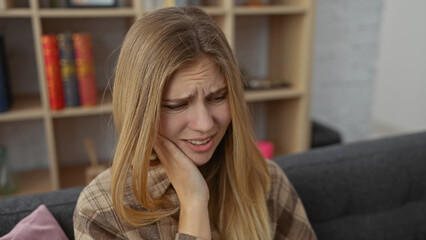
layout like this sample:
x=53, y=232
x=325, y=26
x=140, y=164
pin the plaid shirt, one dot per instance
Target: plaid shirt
x=95, y=218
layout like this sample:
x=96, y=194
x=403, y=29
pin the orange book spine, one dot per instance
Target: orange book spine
x=85, y=69
x=53, y=72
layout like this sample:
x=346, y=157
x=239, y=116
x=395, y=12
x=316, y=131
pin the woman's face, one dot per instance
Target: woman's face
x=195, y=110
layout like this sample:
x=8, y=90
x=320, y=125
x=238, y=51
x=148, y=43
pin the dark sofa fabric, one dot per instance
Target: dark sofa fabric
x=368, y=190
x=60, y=203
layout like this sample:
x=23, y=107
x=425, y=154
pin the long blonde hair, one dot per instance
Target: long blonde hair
x=237, y=176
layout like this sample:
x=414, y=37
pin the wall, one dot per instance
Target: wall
x=345, y=53
x=399, y=102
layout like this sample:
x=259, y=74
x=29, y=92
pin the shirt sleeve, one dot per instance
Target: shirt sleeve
x=86, y=227
x=286, y=209
x=183, y=236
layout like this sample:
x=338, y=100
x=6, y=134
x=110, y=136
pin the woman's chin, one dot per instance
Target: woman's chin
x=200, y=159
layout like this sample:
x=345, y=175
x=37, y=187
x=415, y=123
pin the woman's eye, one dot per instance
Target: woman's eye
x=219, y=98
x=174, y=107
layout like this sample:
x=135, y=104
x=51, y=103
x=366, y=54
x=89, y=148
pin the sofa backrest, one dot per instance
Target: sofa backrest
x=60, y=203
x=367, y=190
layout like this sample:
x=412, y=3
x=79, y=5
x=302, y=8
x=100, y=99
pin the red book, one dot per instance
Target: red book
x=85, y=69
x=53, y=71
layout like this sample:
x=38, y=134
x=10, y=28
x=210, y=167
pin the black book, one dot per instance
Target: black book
x=5, y=92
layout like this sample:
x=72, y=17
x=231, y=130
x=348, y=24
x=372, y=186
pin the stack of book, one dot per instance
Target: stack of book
x=5, y=92
x=70, y=70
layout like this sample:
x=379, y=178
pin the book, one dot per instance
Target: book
x=68, y=71
x=85, y=69
x=53, y=71
x=5, y=91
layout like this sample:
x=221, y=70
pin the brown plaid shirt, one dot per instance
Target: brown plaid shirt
x=95, y=218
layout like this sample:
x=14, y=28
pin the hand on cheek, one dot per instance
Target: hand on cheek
x=190, y=186
x=184, y=175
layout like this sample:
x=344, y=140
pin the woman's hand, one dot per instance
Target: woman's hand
x=190, y=186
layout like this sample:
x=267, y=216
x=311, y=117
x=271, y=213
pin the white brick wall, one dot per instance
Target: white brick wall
x=345, y=53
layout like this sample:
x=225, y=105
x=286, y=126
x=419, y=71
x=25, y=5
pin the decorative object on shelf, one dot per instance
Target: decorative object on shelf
x=53, y=71
x=95, y=167
x=267, y=149
x=91, y=3
x=255, y=3
x=68, y=71
x=255, y=84
x=85, y=69
x=8, y=184
x=5, y=91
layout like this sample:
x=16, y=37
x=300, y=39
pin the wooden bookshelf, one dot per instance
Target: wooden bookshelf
x=289, y=50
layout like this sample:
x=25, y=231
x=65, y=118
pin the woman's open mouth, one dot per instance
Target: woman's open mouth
x=200, y=145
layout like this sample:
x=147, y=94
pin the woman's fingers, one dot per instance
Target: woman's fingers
x=170, y=155
x=187, y=180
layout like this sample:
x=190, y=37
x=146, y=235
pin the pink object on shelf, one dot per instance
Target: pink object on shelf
x=267, y=149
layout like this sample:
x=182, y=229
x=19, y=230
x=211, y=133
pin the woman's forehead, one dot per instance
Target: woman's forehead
x=202, y=75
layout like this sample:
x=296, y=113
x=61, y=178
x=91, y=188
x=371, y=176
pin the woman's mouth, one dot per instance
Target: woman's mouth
x=200, y=145
x=198, y=142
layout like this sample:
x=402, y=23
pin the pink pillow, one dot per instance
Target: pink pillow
x=40, y=224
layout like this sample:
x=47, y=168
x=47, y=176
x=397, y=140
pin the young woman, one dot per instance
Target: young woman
x=186, y=164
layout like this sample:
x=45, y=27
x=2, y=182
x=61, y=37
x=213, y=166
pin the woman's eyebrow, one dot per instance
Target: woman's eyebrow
x=183, y=99
x=218, y=91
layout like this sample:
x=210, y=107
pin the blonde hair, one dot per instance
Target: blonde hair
x=237, y=176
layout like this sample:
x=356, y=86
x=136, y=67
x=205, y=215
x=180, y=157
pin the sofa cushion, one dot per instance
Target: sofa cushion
x=40, y=224
x=60, y=203
x=372, y=189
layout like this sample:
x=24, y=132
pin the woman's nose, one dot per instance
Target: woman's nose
x=201, y=119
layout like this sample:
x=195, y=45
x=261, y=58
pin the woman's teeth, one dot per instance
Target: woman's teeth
x=199, y=142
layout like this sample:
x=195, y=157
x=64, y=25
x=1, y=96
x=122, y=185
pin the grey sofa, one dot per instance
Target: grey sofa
x=367, y=190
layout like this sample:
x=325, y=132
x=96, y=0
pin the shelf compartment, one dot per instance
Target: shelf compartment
x=287, y=125
x=31, y=182
x=104, y=107
x=270, y=10
x=70, y=134
x=23, y=108
x=78, y=13
x=38, y=181
x=271, y=48
x=272, y=94
x=15, y=13
x=73, y=175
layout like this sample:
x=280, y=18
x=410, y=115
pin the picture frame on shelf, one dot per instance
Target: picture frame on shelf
x=91, y=3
